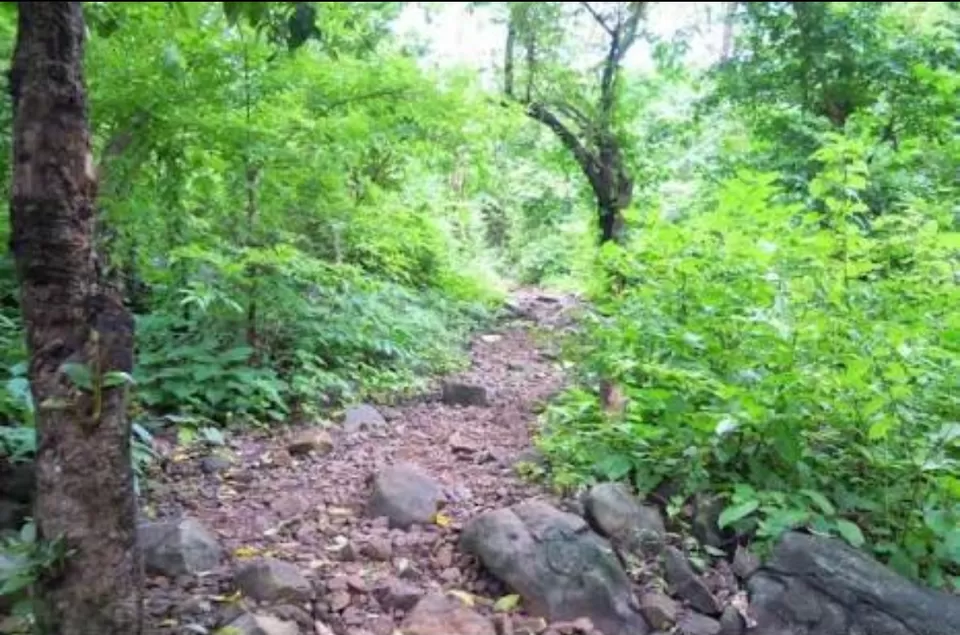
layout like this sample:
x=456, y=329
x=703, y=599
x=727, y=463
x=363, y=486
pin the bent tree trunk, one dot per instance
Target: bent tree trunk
x=79, y=335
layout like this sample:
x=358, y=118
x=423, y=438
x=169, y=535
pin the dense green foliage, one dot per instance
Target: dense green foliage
x=789, y=336
x=302, y=214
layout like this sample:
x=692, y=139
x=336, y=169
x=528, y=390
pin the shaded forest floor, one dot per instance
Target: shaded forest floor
x=259, y=499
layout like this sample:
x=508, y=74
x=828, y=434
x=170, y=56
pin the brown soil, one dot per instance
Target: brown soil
x=302, y=509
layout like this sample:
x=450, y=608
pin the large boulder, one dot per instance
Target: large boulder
x=557, y=564
x=178, y=547
x=822, y=586
x=406, y=495
x=616, y=513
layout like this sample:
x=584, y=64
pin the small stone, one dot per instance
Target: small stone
x=464, y=394
x=731, y=622
x=450, y=575
x=696, y=624
x=357, y=584
x=309, y=441
x=395, y=594
x=341, y=550
x=339, y=600
x=659, y=610
x=214, y=464
x=687, y=584
x=529, y=625
x=442, y=615
x=405, y=494
x=745, y=563
x=362, y=417
x=460, y=444
x=269, y=580
x=377, y=548
x=491, y=338
x=175, y=548
x=444, y=557
x=255, y=624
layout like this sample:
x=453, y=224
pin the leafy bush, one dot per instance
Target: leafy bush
x=804, y=364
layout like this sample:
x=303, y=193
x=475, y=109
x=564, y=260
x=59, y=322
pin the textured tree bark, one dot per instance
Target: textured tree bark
x=84, y=475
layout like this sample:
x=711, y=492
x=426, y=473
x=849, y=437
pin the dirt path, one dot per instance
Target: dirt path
x=309, y=510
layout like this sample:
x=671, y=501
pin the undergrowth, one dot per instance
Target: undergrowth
x=802, y=360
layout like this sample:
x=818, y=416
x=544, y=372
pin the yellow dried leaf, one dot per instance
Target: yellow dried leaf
x=227, y=599
x=442, y=520
x=463, y=596
x=507, y=603
x=245, y=552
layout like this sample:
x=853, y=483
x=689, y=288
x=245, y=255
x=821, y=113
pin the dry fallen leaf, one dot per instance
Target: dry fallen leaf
x=463, y=596
x=442, y=520
x=245, y=552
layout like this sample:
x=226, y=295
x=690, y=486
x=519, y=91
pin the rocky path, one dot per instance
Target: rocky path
x=414, y=520
x=303, y=498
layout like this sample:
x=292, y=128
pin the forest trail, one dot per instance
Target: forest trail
x=260, y=500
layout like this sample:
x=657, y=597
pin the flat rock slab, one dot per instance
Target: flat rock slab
x=442, y=615
x=822, y=586
x=178, y=547
x=557, y=564
x=405, y=494
x=270, y=580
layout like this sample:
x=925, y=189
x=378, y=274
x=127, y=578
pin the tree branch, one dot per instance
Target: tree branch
x=599, y=19
x=586, y=159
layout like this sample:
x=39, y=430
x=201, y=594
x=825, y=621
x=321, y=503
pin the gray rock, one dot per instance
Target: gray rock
x=696, y=624
x=821, y=586
x=443, y=615
x=397, y=594
x=659, y=610
x=178, y=547
x=706, y=515
x=254, y=624
x=745, y=563
x=462, y=394
x=614, y=512
x=731, y=622
x=270, y=580
x=561, y=569
x=406, y=495
x=362, y=417
x=213, y=464
x=687, y=584
x=310, y=441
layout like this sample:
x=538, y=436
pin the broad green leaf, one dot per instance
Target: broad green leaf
x=850, y=532
x=737, y=512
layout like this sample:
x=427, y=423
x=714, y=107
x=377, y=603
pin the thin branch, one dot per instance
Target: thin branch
x=384, y=92
x=599, y=19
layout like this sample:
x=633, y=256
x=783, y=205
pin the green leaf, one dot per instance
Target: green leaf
x=850, y=532
x=734, y=513
x=79, y=374
x=507, y=603
x=821, y=501
x=117, y=378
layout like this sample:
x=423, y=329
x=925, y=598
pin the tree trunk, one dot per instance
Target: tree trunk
x=84, y=476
